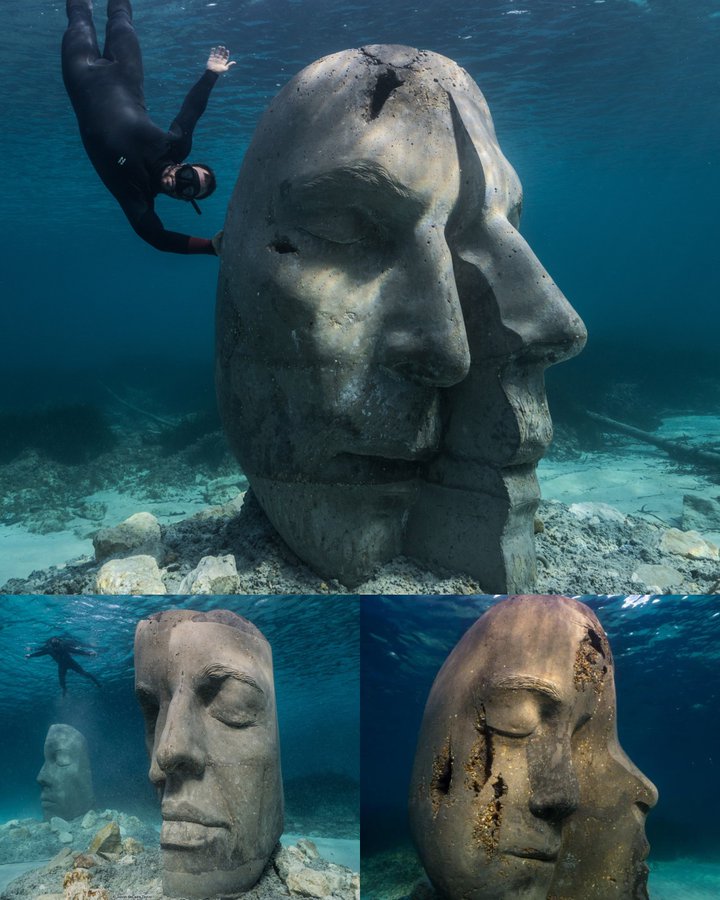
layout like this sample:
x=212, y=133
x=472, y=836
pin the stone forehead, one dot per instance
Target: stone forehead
x=516, y=632
x=157, y=629
x=65, y=735
x=366, y=101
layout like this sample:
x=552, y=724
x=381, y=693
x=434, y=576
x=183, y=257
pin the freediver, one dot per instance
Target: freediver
x=59, y=649
x=136, y=159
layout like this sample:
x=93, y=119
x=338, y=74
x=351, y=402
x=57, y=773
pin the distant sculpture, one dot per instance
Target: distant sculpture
x=204, y=682
x=520, y=789
x=65, y=778
x=383, y=328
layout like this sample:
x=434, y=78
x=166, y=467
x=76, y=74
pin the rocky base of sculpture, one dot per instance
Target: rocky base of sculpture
x=293, y=872
x=23, y=839
x=582, y=548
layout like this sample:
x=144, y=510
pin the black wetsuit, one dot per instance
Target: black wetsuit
x=60, y=649
x=128, y=150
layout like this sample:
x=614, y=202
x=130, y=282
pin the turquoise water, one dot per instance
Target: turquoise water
x=606, y=108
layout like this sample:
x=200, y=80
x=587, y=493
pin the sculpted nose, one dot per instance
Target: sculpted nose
x=537, y=321
x=424, y=338
x=178, y=750
x=554, y=788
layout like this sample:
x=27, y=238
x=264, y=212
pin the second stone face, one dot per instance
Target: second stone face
x=65, y=778
x=204, y=682
x=382, y=327
x=520, y=787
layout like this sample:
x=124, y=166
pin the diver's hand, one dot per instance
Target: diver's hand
x=217, y=243
x=219, y=59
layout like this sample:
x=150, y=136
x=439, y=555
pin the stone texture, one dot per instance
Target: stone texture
x=65, y=778
x=379, y=367
x=596, y=513
x=139, y=535
x=689, y=544
x=235, y=776
x=701, y=514
x=656, y=579
x=134, y=575
x=212, y=575
x=535, y=669
x=107, y=841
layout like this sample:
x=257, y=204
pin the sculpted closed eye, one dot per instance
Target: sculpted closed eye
x=232, y=700
x=63, y=759
x=511, y=713
x=343, y=226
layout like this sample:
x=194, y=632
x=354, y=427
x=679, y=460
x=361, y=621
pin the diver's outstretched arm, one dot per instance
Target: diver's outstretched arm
x=43, y=651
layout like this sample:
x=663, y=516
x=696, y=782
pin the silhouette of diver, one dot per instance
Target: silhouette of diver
x=60, y=648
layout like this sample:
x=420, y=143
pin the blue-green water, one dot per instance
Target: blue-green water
x=315, y=645
x=668, y=698
x=606, y=108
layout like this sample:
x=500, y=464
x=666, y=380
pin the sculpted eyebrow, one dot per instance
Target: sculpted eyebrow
x=362, y=175
x=216, y=671
x=529, y=683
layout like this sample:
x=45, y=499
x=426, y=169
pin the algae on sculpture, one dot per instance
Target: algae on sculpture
x=520, y=788
x=383, y=328
x=205, y=684
x=66, y=777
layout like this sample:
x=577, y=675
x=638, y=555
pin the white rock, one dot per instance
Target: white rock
x=89, y=820
x=65, y=837
x=656, y=579
x=135, y=575
x=309, y=883
x=212, y=575
x=596, y=513
x=138, y=535
x=58, y=824
x=689, y=544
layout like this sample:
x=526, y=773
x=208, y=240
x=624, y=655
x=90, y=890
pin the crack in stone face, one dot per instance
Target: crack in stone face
x=487, y=826
x=591, y=661
x=441, y=777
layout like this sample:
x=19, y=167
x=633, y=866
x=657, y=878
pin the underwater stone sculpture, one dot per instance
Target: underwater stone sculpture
x=383, y=328
x=520, y=789
x=65, y=778
x=204, y=682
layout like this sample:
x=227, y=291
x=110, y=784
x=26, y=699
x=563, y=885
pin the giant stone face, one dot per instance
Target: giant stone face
x=520, y=789
x=65, y=778
x=382, y=326
x=205, y=685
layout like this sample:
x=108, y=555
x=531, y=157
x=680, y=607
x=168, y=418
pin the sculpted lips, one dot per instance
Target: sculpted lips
x=185, y=827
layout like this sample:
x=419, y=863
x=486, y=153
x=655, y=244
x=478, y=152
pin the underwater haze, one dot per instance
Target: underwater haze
x=606, y=108
x=668, y=695
x=315, y=645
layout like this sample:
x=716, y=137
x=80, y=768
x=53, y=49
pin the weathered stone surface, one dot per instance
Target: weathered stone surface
x=65, y=778
x=573, y=801
x=241, y=784
x=380, y=374
x=212, y=575
x=309, y=883
x=596, y=513
x=107, y=840
x=139, y=535
x=689, y=544
x=134, y=575
x=656, y=579
x=701, y=514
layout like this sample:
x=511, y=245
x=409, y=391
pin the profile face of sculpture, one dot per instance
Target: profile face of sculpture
x=65, y=778
x=204, y=682
x=382, y=327
x=518, y=774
